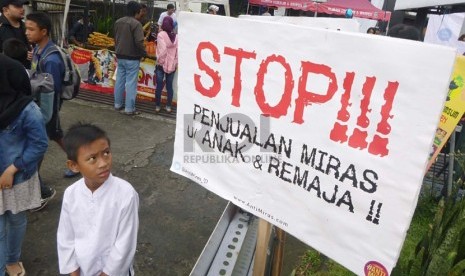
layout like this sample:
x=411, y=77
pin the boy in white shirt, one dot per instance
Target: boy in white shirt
x=97, y=232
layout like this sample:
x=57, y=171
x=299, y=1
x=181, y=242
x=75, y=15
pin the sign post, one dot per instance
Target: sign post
x=261, y=251
x=277, y=265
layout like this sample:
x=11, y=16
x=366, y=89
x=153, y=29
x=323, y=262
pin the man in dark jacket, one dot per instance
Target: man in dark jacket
x=129, y=46
x=11, y=24
x=78, y=34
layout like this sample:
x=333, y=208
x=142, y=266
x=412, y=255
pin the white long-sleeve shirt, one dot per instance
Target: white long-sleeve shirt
x=97, y=231
x=163, y=15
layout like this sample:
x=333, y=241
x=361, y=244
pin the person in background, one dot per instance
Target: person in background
x=12, y=25
x=371, y=30
x=130, y=49
x=16, y=49
x=167, y=61
x=170, y=11
x=142, y=16
x=462, y=37
x=97, y=231
x=78, y=34
x=213, y=9
x=266, y=12
x=38, y=27
x=23, y=142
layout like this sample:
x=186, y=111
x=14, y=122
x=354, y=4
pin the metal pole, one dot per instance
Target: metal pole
x=387, y=26
x=450, y=175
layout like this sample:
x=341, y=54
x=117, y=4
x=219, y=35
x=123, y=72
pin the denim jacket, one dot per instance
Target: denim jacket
x=23, y=143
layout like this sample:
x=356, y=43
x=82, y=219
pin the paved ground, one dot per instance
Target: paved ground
x=177, y=216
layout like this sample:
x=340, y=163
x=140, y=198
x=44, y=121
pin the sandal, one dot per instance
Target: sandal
x=10, y=271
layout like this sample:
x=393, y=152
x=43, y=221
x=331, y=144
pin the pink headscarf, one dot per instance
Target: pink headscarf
x=168, y=26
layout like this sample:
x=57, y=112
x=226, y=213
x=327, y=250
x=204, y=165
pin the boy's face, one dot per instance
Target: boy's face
x=93, y=162
x=34, y=33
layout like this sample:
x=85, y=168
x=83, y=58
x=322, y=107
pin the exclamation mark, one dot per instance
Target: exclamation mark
x=339, y=131
x=379, y=144
x=378, y=211
x=359, y=136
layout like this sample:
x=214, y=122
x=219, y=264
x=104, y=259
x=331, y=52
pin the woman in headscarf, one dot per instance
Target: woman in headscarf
x=167, y=61
x=23, y=142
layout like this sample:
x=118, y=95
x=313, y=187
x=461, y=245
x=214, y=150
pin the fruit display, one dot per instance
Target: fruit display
x=101, y=40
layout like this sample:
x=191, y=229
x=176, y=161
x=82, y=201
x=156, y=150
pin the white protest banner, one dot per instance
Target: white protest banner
x=324, y=134
x=444, y=29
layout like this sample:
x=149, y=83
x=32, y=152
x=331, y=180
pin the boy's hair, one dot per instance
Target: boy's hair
x=15, y=49
x=169, y=6
x=81, y=134
x=42, y=20
x=133, y=8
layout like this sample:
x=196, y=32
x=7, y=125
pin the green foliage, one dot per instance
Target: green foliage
x=441, y=251
x=105, y=25
x=313, y=263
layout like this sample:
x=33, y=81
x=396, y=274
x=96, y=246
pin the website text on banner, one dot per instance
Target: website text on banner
x=323, y=133
x=453, y=110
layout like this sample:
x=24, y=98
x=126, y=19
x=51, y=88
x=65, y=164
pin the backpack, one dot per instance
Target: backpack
x=72, y=79
x=42, y=92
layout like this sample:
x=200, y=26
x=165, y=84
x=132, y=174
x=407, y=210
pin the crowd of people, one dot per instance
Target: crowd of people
x=130, y=50
x=27, y=49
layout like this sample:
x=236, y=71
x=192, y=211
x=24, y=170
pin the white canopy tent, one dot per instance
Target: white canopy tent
x=414, y=4
x=185, y=3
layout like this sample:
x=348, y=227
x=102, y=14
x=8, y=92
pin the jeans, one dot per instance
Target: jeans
x=169, y=85
x=126, y=80
x=12, y=230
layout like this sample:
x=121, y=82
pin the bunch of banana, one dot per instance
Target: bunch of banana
x=99, y=39
x=147, y=28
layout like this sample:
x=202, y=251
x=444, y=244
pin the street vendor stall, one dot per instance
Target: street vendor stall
x=98, y=70
x=97, y=64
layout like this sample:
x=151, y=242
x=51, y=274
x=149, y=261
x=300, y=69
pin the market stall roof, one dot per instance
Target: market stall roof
x=415, y=4
x=360, y=8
